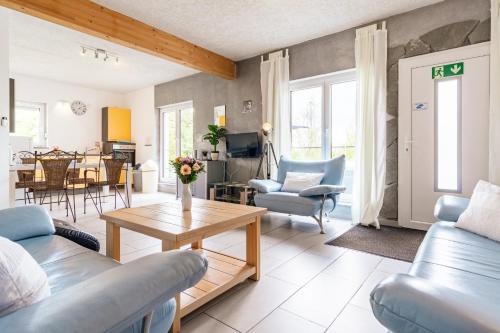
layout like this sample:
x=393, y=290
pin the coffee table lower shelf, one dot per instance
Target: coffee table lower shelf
x=224, y=272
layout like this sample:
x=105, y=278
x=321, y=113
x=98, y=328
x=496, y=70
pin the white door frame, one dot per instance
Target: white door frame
x=404, y=122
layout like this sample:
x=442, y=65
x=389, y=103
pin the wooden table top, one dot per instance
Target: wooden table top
x=167, y=221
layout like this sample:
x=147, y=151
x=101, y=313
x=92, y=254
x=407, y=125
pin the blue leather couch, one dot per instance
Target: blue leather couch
x=91, y=292
x=310, y=201
x=453, y=285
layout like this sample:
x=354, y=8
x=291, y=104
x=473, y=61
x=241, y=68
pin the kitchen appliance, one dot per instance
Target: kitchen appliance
x=121, y=148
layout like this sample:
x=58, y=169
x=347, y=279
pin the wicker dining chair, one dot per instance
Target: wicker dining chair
x=55, y=165
x=114, y=164
x=25, y=177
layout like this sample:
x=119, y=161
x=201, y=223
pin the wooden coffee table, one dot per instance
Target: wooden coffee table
x=167, y=221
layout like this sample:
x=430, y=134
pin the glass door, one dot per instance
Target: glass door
x=176, y=129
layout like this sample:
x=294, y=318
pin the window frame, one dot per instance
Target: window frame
x=324, y=81
x=176, y=108
x=42, y=126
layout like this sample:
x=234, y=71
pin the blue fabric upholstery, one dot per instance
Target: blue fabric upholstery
x=94, y=293
x=25, y=222
x=452, y=286
x=332, y=169
x=290, y=203
x=322, y=190
x=265, y=185
x=449, y=207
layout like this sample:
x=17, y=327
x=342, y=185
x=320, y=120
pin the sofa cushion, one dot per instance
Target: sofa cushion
x=290, y=203
x=332, y=169
x=22, y=280
x=25, y=222
x=460, y=260
x=264, y=185
x=297, y=181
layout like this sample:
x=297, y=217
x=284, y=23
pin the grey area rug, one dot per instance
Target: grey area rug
x=390, y=242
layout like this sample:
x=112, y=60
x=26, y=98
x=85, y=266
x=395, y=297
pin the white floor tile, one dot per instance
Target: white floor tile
x=354, y=265
x=249, y=305
x=356, y=320
x=393, y=266
x=362, y=297
x=284, y=321
x=205, y=324
x=322, y=299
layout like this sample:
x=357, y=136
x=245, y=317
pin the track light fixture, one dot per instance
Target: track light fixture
x=99, y=53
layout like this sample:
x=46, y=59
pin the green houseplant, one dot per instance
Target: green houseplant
x=215, y=134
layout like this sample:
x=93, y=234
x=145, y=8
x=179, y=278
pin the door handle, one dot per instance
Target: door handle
x=408, y=144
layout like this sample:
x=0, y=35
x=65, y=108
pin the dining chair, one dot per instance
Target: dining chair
x=55, y=165
x=114, y=164
x=25, y=177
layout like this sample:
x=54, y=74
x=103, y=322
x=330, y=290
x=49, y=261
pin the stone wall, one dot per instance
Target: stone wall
x=443, y=38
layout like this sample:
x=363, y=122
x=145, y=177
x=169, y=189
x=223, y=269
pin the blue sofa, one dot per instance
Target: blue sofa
x=308, y=202
x=453, y=285
x=91, y=292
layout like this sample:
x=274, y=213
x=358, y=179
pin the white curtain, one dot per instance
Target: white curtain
x=274, y=83
x=369, y=172
x=494, y=165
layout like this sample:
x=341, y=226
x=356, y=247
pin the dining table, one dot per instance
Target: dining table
x=79, y=165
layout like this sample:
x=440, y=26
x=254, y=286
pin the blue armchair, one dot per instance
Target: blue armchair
x=313, y=201
x=91, y=292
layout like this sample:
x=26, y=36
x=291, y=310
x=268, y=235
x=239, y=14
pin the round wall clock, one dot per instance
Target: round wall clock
x=79, y=108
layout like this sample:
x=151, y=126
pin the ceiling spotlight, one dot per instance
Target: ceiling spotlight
x=106, y=57
x=96, y=55
x=83, y=51
x=100, y=54
x=116, y=59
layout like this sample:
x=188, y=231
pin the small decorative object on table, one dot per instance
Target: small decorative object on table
x=187, y=169
x=214, y=136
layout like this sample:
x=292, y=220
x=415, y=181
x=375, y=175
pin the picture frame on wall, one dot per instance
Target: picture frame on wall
x=220, y=115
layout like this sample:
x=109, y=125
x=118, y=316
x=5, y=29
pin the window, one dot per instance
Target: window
x=448, y=136
x=176, y=136
x=323, y=120
x=31, y=121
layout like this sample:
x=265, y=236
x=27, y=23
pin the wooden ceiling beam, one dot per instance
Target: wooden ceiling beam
x=96, y=20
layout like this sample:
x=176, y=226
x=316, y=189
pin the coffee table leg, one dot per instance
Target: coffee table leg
x=198, y=245
x=113, y=241
x=176, y=325
x=253, y=247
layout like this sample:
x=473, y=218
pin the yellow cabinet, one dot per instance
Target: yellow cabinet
x=116, y=124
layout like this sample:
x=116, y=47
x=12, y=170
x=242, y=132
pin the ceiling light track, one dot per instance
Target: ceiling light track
x=99, y=54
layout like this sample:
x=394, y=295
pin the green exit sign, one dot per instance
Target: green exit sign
x=439, y=72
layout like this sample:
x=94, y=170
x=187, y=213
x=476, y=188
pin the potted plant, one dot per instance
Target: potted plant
x=187, y=169
x=215, y=134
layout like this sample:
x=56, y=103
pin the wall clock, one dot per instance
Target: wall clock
x=79, y=108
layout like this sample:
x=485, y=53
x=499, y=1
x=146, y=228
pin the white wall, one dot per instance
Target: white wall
x=141, y=102
x=66, y=130
x=4, y=108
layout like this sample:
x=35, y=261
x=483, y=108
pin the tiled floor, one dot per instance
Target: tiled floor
x=306, y=286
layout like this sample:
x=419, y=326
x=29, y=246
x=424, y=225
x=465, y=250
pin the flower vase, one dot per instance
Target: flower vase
x=186, y=197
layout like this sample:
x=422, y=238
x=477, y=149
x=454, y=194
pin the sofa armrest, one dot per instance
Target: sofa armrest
x=405, y=303
x=25, y=222
x=450, y=207
x=113, y=300
x=322, y=190
x=265, y=185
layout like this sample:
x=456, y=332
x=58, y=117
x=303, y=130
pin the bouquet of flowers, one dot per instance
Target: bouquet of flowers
x=187, y=168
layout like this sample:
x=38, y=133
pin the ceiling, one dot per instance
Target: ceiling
x=236, y=29
x=240, y=29
x=46, y=50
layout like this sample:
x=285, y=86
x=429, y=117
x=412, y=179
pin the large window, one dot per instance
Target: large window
x=31, y=122
x=176, y=136
x=323, y=119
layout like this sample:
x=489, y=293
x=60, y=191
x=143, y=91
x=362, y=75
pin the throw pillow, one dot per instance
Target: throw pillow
x=482, y=216
x=298, y=181
x=22, y=280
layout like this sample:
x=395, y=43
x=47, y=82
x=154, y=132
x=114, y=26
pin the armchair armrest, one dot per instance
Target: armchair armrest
x=449, y=207
x=265, y=185
x=322, y=190
x=25, y=222
x=404, y=303
x=113, y=300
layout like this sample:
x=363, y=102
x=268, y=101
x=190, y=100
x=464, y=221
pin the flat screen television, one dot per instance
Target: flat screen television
x=243, y=145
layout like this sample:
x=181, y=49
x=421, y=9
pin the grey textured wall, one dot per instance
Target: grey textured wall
x=420, y=31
